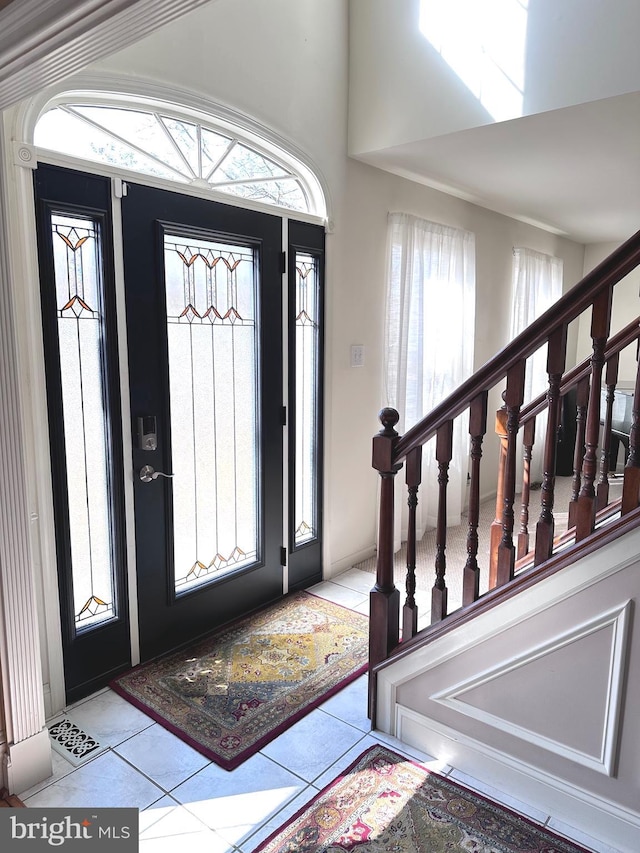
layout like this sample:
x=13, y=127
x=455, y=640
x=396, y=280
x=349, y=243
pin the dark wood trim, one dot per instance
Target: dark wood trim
x=615, y=345
x=10, y=801
x=610, y=271
x=522, y=581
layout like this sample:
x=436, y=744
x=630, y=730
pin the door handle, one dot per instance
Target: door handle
x=147, y=474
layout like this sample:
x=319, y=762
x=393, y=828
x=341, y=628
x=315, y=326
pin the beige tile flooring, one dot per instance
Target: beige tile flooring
x=186, y=799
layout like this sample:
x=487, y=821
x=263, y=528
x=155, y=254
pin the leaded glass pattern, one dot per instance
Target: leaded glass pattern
x=172, y=148
x=307, y=372
x=80, y=322
x=213, y=346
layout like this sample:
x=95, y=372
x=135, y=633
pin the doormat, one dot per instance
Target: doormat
x=72, y=742
x=232, y=693
x=385, y=802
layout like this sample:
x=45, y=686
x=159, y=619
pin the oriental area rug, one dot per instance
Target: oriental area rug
x=385, y=803
x=231, y=693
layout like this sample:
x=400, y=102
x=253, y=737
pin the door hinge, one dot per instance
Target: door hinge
x=283, y=556
x=283, y=416
x=283, y=263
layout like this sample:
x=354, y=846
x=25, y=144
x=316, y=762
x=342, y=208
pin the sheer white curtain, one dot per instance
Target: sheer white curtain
x=430, y=319
x=537, y=284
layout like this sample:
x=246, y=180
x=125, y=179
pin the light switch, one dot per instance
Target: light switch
x=357, y=355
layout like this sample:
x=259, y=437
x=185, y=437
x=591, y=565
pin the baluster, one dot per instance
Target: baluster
x=631, y=484
x=413, y=477
x=556, y=355
x=384, y=597
x=528, y=440
x=611, y=380
x=513, y=397
x=600, y=321
x=477, y=429
x=444, y=446
x=582, y=400
x=496, y=524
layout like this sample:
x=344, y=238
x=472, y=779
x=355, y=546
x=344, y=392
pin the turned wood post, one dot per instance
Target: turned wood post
x=477, y=430
x=513, y=397
x=631, y=484
x=600, y=321
x=444, y=451
x=611, y=380
x=556, y=355
x=496, y=524
x=582, y=400
x=528, y=440
x=384, y=597
x=413, y=467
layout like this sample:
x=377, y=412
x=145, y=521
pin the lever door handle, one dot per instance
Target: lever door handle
x=147, y=474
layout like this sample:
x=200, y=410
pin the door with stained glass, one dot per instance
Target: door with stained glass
x=203, y=286
x=205, y=332
x=79, y=324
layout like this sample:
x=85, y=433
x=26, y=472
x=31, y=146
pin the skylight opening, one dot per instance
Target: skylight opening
x=484, y=43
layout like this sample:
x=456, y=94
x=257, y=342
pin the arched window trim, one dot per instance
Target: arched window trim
x=98, y=90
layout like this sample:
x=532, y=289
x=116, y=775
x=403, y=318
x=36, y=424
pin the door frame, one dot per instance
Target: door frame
x=24, y=264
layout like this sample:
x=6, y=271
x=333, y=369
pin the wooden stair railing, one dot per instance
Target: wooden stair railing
x=390, y=451
x=578, y=379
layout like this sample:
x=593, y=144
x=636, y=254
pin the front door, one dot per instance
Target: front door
x=204, y=325
x=205, y=336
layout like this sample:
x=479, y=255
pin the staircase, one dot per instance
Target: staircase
x=555, y=625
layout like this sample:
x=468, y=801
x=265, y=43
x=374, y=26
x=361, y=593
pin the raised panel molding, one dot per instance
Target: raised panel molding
x=596, y=815
x=604, y=641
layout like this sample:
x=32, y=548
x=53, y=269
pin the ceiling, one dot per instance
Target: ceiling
x=573, y=171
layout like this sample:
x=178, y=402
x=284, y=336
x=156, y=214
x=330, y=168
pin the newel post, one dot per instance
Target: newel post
x=384, y=618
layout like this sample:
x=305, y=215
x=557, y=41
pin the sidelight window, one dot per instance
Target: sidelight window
x=80, y=326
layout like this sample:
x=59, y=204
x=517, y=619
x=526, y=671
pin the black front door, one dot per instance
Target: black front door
x=203, y=286
x=204, y=314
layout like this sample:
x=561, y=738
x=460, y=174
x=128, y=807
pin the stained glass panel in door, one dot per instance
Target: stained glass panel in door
x=212, y=338
x=306, y=394
x=81, y=337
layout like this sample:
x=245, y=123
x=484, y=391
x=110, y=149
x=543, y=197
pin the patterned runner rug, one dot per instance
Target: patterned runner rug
x=232, y=693
x=386, y=803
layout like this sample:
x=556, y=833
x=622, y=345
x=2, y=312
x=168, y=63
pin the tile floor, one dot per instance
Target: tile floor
x=185, y=798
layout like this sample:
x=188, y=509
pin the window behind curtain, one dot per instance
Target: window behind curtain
x=537, y=284
x=430, y=316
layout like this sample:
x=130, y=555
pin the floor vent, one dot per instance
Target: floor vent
x=74, y=744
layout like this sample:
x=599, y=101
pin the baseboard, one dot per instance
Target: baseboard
x=596, y=816
x=348, y=562
x=28, y=762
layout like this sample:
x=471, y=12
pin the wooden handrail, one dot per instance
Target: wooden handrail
x=390, y=450
x=523, y=580
x=616, y=344
x=609, y=272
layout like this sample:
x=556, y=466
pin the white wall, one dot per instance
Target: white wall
x=288, y=70
x=402, y=90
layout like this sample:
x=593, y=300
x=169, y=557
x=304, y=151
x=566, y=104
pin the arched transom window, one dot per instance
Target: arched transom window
x=178, y=147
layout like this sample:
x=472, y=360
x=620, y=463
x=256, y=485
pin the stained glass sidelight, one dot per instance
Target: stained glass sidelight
x=212, y=341
x=78, y=283
x=307, y=372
